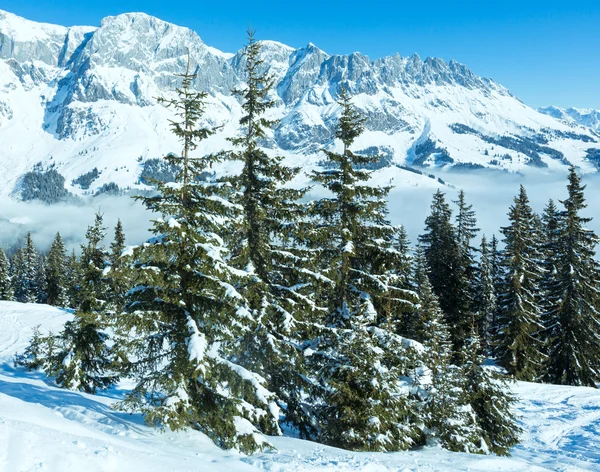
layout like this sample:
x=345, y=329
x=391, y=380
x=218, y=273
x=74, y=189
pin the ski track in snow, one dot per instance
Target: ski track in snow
x=43, y=428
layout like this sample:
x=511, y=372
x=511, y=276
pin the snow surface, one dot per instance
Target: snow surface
x=50, y=429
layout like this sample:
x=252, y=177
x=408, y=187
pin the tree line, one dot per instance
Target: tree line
x=251, y=308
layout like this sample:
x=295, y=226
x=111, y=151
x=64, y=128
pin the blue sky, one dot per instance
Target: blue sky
x=545, y=52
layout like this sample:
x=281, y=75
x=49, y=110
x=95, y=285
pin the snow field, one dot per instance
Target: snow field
x=43, y=428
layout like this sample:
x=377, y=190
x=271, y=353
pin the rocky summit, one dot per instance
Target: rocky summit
x=83, y=98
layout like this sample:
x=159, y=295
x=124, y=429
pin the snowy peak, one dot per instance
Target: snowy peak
x=81, y=88
x=580, y=116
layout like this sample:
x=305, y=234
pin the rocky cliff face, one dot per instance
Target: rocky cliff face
x=69, y=90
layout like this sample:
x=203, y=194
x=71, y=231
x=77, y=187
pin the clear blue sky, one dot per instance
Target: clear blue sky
x=545, y=52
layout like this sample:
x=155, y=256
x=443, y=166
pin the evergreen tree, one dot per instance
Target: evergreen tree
x=363, y=406
x=448, y=266
x=73, y=277
x=6, y=289
x=117, y=280
x=184, y=314
x=397, y=309
x=24, y=268
x=485, y=295
x=265, y=245
x=466, y=228
x=447, y=416
x=518, y=347
x=94, y=259
x=573, y=320
x=488, y=395
x=56, y=276
x=41, y=284
x=118, y=244
x=17, y=273
x=82, y=359
x=495, y=258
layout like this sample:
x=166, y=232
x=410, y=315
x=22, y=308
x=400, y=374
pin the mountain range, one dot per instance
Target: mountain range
x=82, y=101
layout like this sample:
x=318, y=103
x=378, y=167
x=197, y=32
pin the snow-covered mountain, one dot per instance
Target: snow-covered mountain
x=81, y=98
x=578, y=116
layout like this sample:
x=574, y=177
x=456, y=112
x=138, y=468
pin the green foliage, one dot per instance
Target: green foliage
x=485, y=302
x=518, y=347
x=363, y=404
x=24, y=272
x=47, y=186
x=265, y=243
x=488, y=394
x=184, y=313
x=6, y=289
x=448, y=417
x=81, y=359
x=449, y=263
x=572, y=319
x=55, y=275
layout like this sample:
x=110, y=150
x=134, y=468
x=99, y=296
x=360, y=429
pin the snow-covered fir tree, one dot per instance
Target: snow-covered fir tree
x=264, y=243
x=495, y=258
x=117, y=279
x=449, y=265
x=359, y=363
x=448, y=418
x=41, y=285
x=573, y=319
x=517, y=346
x=485, y=303
x=118, y=244
x=489, y=396
x=6, y=289
x=184, y=314
x=82, y=359
x=397, y=309
x=24, y=272
x=56, y=277
x=73, y=277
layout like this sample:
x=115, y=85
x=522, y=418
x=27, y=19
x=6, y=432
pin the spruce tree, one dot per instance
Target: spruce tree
x=73, y=277
x=485, y=295
x=448, y=260
x=265, y=245
x=448, y=418
x=25, y=269
x=397, y=309
x=117, y=278
x=17, y=271
x=518, y=347
x=184, y=314
x=94, y=259
x=573, y=320
x=82, y=359
x=495, y=258
x=41, y=283
x=358, y=361
x=488, y=394
x=118, y=244
x=6, y=289
x=56, y=275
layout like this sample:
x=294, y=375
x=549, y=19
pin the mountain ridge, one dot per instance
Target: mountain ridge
x=94, y=88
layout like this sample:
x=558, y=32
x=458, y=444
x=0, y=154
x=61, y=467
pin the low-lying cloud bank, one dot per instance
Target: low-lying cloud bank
x=491, y=194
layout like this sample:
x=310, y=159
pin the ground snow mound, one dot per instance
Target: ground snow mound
x=50, y=429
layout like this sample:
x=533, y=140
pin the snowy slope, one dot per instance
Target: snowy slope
x=49, y=429
x=84, y=97
x=578, y=116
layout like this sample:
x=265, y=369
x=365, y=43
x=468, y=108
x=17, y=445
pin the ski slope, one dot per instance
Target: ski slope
x=43, y=428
